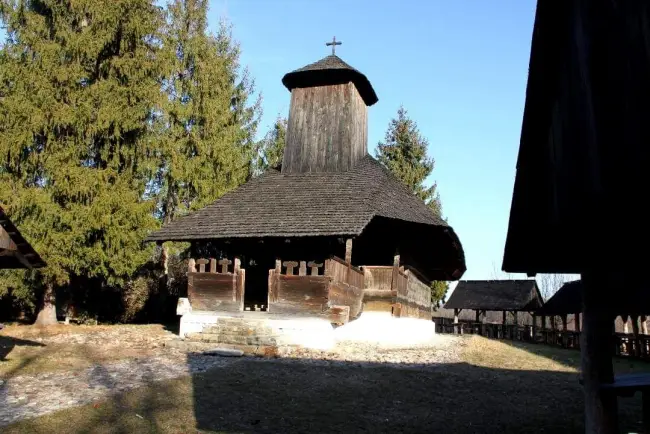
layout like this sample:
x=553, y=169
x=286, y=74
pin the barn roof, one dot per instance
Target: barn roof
x=313, y=204
x=582, y=143
x=327, y=71
x=15, y=251
x=632, y=298
x=567, y=299
x=495, y=295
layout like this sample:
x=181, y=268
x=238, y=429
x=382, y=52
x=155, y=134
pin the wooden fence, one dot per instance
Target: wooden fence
x=622, y=344
x=216, y=288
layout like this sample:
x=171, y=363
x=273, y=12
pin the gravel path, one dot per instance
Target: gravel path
x=28, y=396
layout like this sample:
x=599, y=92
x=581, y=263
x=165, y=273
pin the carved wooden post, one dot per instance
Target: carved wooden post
x=213, y=265
x=302, y=271
x=237, y=266
x=314, y=267
x=290, y=266
x=644, y=324
x=278, y=266
x=348, y=250
x=191, y=266
x=624, y=318
x=224, y=265
x=202, y=263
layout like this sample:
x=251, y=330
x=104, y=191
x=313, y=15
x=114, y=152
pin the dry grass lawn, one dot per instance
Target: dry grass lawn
x=28, y=350
x=499, y=388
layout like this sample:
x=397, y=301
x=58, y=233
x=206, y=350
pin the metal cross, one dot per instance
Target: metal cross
x=334, y=43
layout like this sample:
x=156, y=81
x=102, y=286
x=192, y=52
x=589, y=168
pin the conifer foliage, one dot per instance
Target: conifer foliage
x=404, y=153
x=114, y=117
x=270, y=149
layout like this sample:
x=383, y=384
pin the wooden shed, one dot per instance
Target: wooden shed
x=582, y=153
x=504, y=296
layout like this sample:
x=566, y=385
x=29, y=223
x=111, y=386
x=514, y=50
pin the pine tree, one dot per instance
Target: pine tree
x=270, y=149
x=404, y=153
x=206, y=127
x=78, y=86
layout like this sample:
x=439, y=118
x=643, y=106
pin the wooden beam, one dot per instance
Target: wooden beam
x=601, y=410
x=348, y=250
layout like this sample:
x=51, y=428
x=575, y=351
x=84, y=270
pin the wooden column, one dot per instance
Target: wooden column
x=644, y=324
x=478, y=315
x=348, y=250
x=534, y=331
x=635, y=332
x=576, y=321
x=564, y=322
x=600, y=407
x=503, y=324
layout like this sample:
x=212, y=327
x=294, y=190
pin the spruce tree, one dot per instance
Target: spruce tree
x=270, y=149
x=404, y=153
x=78, y=87
x=207, y=124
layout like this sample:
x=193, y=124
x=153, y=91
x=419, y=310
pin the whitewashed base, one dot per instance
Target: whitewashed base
x=383, y=329
x=314, y=333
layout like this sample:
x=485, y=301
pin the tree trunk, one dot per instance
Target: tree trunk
x=47, y=311
x=601, y=409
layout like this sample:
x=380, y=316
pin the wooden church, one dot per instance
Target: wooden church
x=313, y=236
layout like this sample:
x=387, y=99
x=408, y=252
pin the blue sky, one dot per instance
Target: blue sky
x=458, y=67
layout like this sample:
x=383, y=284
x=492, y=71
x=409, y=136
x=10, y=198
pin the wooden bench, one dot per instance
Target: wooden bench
x=626, y=385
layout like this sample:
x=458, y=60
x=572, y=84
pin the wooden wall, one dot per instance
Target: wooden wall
x=327, y=129
x=212, y=287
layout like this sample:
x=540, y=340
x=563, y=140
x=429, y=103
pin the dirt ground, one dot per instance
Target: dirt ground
x=491, y=387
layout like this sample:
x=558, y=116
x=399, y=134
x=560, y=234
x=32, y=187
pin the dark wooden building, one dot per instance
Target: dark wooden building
x=15, y=251
x=583, y=150
x=505, y=296
x=329, y=199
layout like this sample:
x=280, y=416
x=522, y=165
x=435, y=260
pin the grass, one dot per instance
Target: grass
x=499, y=388
x=21, y=353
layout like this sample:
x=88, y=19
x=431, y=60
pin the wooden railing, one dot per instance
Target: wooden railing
x=211, y=286
x=299, y=288
x=622, y=344
x=394, y=289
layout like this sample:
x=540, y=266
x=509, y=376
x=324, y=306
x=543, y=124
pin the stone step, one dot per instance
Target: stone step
x=240, y=330
x=239, y=340
x=242, y=322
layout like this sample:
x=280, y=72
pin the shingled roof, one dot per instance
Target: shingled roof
x=15, y=251
x=632, y=298
x=510, y=295
x=327, y=71
x=303, y=204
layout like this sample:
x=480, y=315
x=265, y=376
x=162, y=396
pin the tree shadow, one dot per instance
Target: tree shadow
x=8, y=343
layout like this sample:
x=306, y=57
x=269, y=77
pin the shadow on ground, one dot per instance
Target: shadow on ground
x=298, y=396
x=8, y=343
